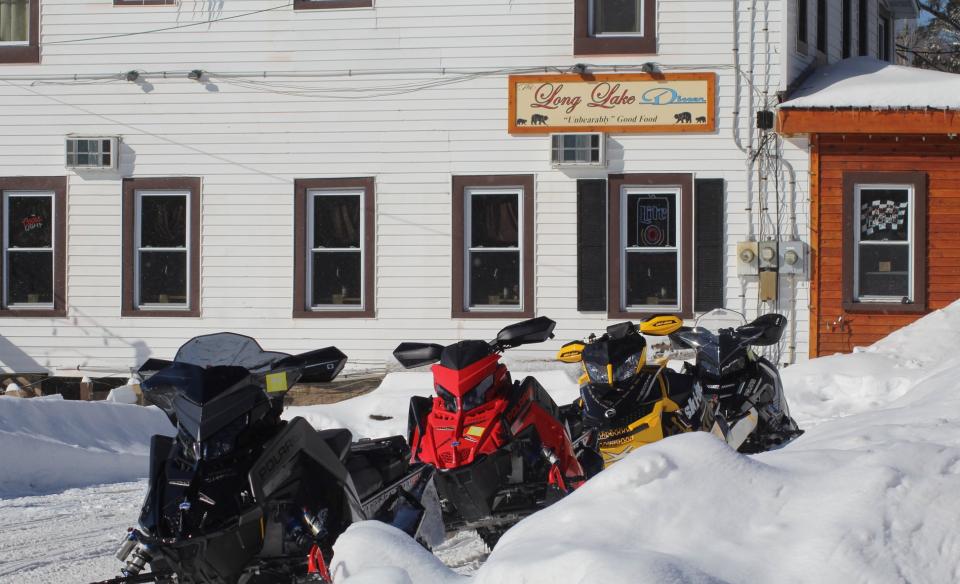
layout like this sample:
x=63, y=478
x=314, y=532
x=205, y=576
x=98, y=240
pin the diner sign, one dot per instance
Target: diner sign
x=629, y=103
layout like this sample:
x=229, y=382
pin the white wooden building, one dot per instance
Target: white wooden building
x=344, y=171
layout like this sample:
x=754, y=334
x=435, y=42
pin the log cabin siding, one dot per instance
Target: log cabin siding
x=833, y=156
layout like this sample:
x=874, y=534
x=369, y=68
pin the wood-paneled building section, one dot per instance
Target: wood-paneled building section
x=837, y=329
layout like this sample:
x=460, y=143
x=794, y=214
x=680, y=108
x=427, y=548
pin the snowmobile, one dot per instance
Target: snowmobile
x=499, y=446
x=624, y=402
x=743, y=399
x=243, y=497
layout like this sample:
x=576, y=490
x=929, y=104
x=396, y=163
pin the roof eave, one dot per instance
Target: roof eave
x=792, y=121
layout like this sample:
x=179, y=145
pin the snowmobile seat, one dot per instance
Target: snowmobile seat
x=338, y=440
x=376, y=463
x=366, y=479
x=679, y=386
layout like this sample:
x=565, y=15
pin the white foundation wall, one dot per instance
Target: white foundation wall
x=249, y=145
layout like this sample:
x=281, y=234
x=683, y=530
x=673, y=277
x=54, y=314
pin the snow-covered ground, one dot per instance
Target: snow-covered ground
x=868, y=494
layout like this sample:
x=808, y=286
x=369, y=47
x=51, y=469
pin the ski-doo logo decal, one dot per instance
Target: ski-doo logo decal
x=274, y=461
x=277, y=382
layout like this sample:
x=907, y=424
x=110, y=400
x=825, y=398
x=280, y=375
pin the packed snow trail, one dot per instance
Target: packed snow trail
x=69, y=537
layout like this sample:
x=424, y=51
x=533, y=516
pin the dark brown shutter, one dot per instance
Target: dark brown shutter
x=591, y=245
x=709, y=257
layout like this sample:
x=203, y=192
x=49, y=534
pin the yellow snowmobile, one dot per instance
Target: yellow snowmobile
x=625, y=403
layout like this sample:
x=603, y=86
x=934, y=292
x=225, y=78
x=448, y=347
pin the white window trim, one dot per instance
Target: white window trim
x=625, y=192
x=592, y=22
x=6, y=248
x=138, y=197
x=911, y=214
x=312, y=194
x=467, y=249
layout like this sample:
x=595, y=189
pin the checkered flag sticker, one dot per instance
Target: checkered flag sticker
x=880, y=215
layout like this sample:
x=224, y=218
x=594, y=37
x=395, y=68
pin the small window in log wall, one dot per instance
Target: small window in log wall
x=885, y=242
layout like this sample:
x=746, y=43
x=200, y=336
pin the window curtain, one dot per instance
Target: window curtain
x=14, y=20
x=499, y=221
x=345, y=223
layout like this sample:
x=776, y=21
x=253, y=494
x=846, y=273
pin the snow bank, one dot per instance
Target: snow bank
x=50, y=445
x=865, y=82
x=383, y=412
x=867, y=495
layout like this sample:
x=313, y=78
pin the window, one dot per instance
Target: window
x=651, y=244
x=883, y=234
x=34, y=238
x=493, y=246
x=334, y=239
x=862, y=38
x=161, y=256
x=845, y=16
x=802, y=27
x=822, y=26
x=19, y=31
x=885, y=37
x=577, y=149
x=885, y=249
x=330, y=4
x=614, y=26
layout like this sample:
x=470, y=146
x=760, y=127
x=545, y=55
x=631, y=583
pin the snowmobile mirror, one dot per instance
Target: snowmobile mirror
x=317, y=366
x=572, y=352
x=661, y=325
x=764, y=330
x=535, y=330
x=412, y=355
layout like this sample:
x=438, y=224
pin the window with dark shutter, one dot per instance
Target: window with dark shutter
x=709, y=257
x=591, y=245
x=650, y=245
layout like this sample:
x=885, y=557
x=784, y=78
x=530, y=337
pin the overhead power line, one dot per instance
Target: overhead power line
x=175, y=27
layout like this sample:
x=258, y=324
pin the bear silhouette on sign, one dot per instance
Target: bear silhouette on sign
x=702, y=120
x=538, y=120
x=683, y=117
x=521, y=122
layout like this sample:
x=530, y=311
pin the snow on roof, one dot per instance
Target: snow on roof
x=868, y=83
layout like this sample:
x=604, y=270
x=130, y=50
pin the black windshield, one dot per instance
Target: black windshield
x=226, y=349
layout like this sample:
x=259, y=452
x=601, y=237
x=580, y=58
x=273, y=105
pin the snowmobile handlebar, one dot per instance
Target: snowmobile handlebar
x=534, y=330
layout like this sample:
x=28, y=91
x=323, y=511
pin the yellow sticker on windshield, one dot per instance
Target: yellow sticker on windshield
x=277, y=382
x=476, y=431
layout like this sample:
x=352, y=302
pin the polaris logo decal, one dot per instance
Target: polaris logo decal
x=274, y=461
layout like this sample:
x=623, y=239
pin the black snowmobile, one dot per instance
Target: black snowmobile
x=241, y=496
x=743, y=399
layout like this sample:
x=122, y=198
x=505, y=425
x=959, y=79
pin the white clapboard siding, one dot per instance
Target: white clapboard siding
x=249, y=145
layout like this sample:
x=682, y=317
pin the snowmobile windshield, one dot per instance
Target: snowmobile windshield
x=614, y=361
x=226, y=349
x=720, y=318
x=477, y=396
x=720, y=351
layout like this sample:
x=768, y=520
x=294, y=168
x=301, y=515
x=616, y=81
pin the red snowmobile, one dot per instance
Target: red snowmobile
x=499, y=446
